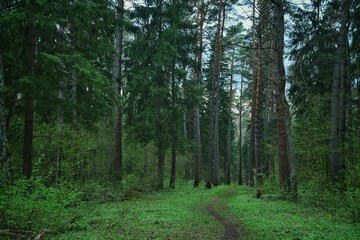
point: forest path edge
(222, 213)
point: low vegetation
(169, 214)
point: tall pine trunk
(4, 163)
(161, 138)
(287, 167)
(210, 150)
(216, 80)
(253, 99)
(272, 111)
(336, 95)
(174, 128)
(229, 136)
(117, 84)
(257, 120)
(161, 161)
(198, 75)
(74, 95)
(30, 51)
(59, 130)
(240, 133)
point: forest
(179, 119)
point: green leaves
(28, 205)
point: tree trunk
(258, 104)
(74, 95)
(187, 159)
(117, 82)
(216, 79)
(161, 139)
(272, 112)
(339, 65)
(59, 126)
(174, 134)
(145, 159)
(240, 133)
(173, 163)
(210, 151)
(228, 161)
(198, 71)
(4, 161)
(291, 155)
(229, 138)
(253, 99)
(287, 167)
(349, 111)
(161, 164)
(30, 51)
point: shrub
(30, 207)
(101, 192)
(129, 185)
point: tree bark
(174, 135)
(229, 137)
(145, 166)
(216, 79)
(198, 71)
(161, 139)
(287, 167)
(59, 126)
(272, 111)
(74, 95)
(340, 58)
(30, 51)
(173, 163)
(187, 159)
(253, 100)
(4, 161)
(210, 150)
(257, 117)
(240, 133)
(117, 84)
(161, 164)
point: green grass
(276, 219)
(181, 214)
(170, 214)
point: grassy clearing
(175, 214)
(275, 219)
(181, 214)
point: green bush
(101, 192)
(30, 207)
(129, 185)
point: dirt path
(221, 212)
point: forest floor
(221, 212)
(224, 212)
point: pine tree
(338, 94)
(287, 167)
(117, 85)
(3, 138)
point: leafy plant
(30, 206)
